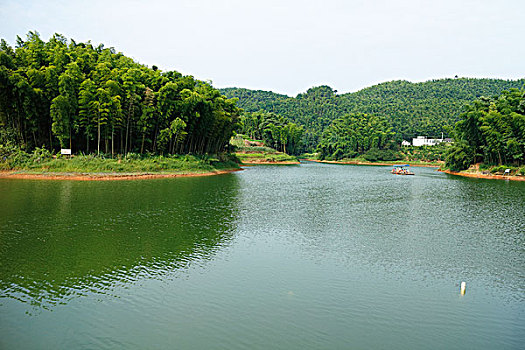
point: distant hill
(411, 108)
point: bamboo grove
(491, 131)
(64, 94)
(357, 134)
(274, 130)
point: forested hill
(67, 94)
(411, 108)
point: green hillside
(412, 109)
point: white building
(424, 141)
(405, 143)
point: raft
(401, 170)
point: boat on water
(401, 169)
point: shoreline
(270, 163)
(19, 174)
(484, 176)
(370, 163)
(73, 176)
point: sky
(290, 46)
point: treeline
(313, 114)
(64, 94)
(492, 131)
(429, 108)
(274, 130)
(358, 134)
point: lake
(315, 256)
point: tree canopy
(274, 130)
(61, 93)
(412, 109)
(492, 131)
(356, 134)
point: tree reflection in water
(63, 239)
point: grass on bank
(500, 169)
(258, 153)
(486, 169)
(239, 140)
(43, 161)
(265, 157)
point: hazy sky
(289, 46)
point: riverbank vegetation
(347, 149)
(492, 132)
(486, 169)
(358, 135)
(42, 161)
(272, 130)
(92, 99)
(250, 151)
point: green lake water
(314, 256)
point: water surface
(310, 256)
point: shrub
(12, 157)
(40, 155)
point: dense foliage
(75, 95)
(358, 134)
(274, 130)
(492, 131)
(412, 109)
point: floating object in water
(401, 170)
(463, 288)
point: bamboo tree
(75, 92)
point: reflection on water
(62, 239)
(301, 257)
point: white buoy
(463, 288)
